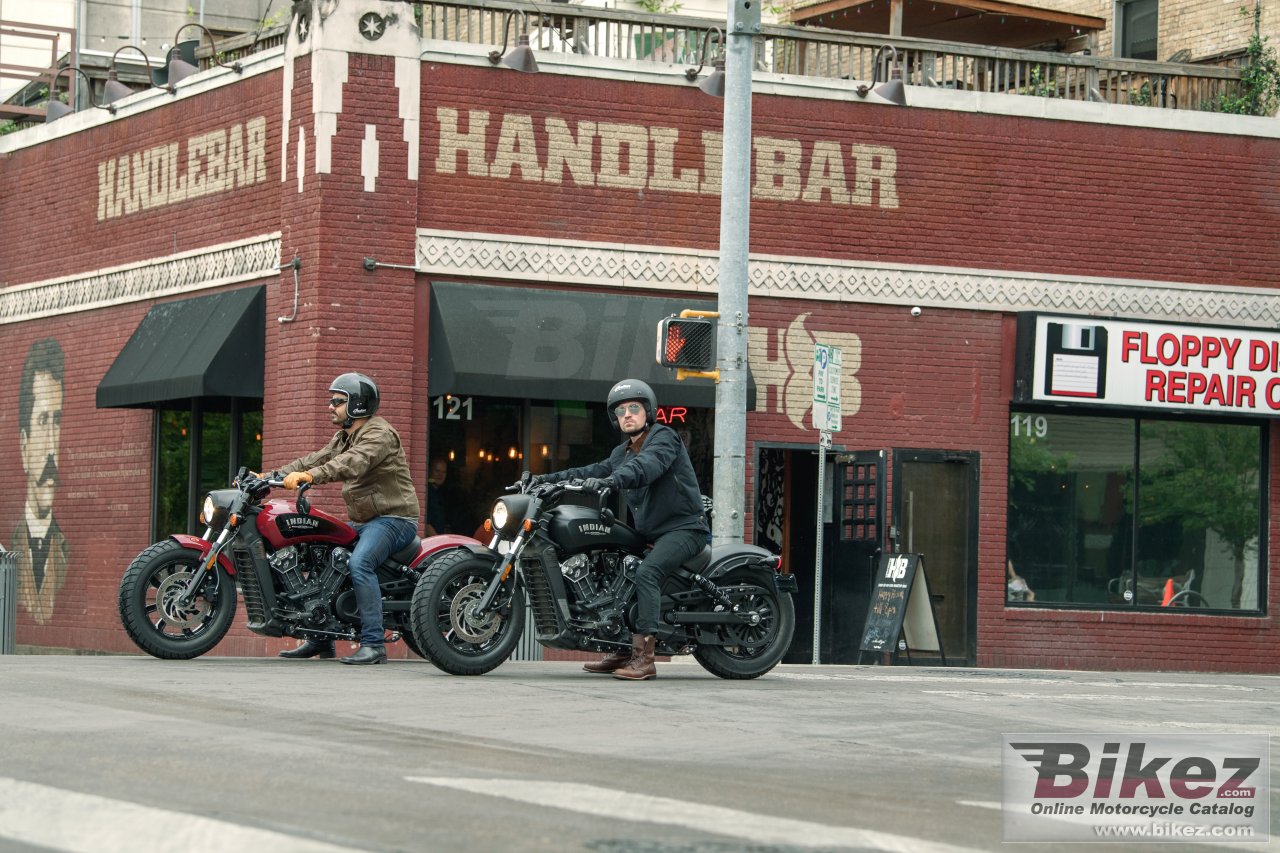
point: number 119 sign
(827, 361)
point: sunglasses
(335, 402)
(628, 409)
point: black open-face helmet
(632, 389)
(362, 396)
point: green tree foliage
(1207, 478)
(1259, 79)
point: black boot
(368, 655)
(310, 649)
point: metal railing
(815, 52)
(8, 602)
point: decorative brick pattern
(215, 266)
(460, 254)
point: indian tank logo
(297, 525)
(592, 528)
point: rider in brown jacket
(366, 456)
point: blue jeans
(378, 540)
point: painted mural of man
(43, 554)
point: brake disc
(168, 598)
(466, 623)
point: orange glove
(296, 479)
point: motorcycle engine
(310, 578)
(577, 570)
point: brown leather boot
(641, 667)
(611, 663)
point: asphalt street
(128, 753)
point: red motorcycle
(178, 597)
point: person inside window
(1017, 586)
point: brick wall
(972, 190)
(58, 207)
(968, 190)
(1204, 27)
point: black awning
(209, 346)
(553, 344)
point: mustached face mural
(43, 553)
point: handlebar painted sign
(1134, 364)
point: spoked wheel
(750, 650)
(446, 621)
(154, 614)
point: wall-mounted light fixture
(521, 56)
(181, 60)
(114, 90)
(55, 109)
(714, 83)
(891, 90)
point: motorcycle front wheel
(153, 614)
(449, 631)
(749, 651)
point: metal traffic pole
(735, 221)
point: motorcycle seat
(408, 552)
(699, 561)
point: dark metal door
(936, 510)
(855, 537)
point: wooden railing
(816, 52)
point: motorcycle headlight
(217, 508)
(500, 515)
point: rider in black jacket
(653, 471)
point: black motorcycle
(728, 607)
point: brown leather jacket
(372, 468)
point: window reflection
(1074, 537)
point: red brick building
(495, 248)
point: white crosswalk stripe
(756, 828)
(70, 821)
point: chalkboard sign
(901, 600)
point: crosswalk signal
(686, 342)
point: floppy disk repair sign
(1130, 363)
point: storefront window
(174, 510)
(486, 442)
(1125, 512)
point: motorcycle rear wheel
(154, 618)
(747, 660)
(448, 636)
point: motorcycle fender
(204, 547)
(723, 563)
(434, 546)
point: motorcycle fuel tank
(281, 524)
(575, 528)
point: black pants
(670, 552)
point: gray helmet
(632, 389)
(362, 395)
